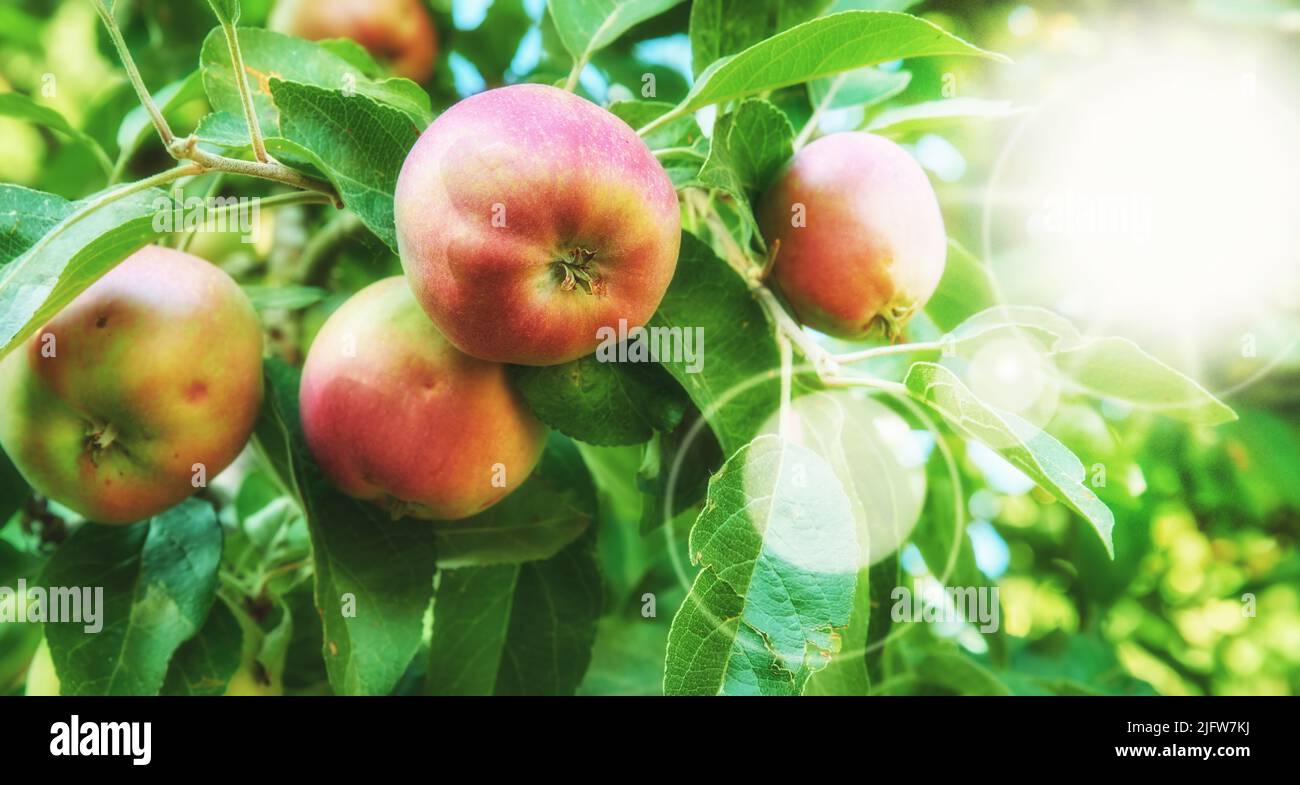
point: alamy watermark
(1084, 214)
(78, 737)
(53, 604)
(935, 603)
(684, 345)
(177, 213)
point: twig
(133, 73)
(766, 272)
(187, 149)
(751, 272)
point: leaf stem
(666, 151)
(810, 127)
(575, 73)
(787, 382)
(662, 120)
(245, 94)
(884, 351)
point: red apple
(528, 219)
(862, 243)
(397, 32)
(395, 414)
(142, 389)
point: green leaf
(846, 673)
(602, 402)
(1048, 326)
(25, 217)
(909, 121)
(628, 657)
(750, 145)
(957, 673)
(682, 132)
(669, 461)
(13, 492)
(723, 27)
(374, 575)
(1112, 368)
(269, 56)
(523, 629)
(358, 144)
(287, 297)
(861, 88)
(69, 258)
(586, 26)
(737, 388)
(159, 580)
(223, 129)
(24, 108)
(553, 507)
(821, 48)
(851, 671)
(1118, 369)
(1047, 462)
(227, 11)
(21, 28)
(354, 53)
(779, 554)
(205, 663)
(966, 288)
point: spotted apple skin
(861, 238)
(528, 219)
(143, 388)
(394, 414)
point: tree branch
(187, 149)
(133, 74)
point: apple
(528, 219)
(861, 239)
(397, 32)
(144, 387)
(394, 413)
